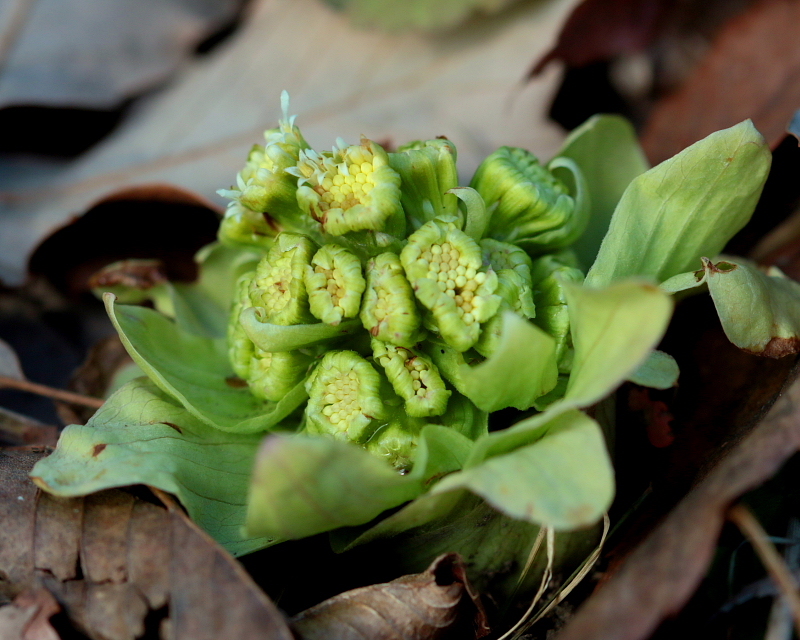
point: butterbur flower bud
(352, 188)
(396, 444)
(513, 268)
(278, 287)
(531, 206)
(273, 375)
(263, 185)
(240, 347)
(549, 275)
(334, 284)
(443, 265)
(344, 397)
(389, 311)
(244, 227)
(428, 170)
(414, 378)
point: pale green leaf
(564, 480)
(684, 208)
(609, 156)
(273, 337)
(304, 485)
(659, 371)
(522, 369)
(195, 371)
(142, 436)
(613, 331)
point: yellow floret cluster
(340, 402)
(414, 366)
(454, 276)
(345, 185)
(273, 287)
(336, 285)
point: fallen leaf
(750, 72)
(427, 605)
(113, 560)
(18, 430)
(27, 618)
(91, 53)
(343, 82)
(657, 579)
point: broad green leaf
(304, 485)
(142, 436)
(522, 369)
(659, 371)
(273, 337)
(564, 480)
(607, 151)
(613, 331)
(195, 371)
(686, 207)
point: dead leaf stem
(50, 392)
(743, 518)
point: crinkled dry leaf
(424, 606)
(112, 559)
(657, 579)
(27, 618)
(343, 81)
(93, 53)
(750, 72)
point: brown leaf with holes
(751, 71)
(660, 575)
(116, 562)
(436, 603)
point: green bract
(394, 310)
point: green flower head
(264, 185)
(344, 397)
(352, 188)
(240, 347)
(278, 286)
(244, 227)
(396, 444)
(414, 378)
(531, 206)
(445, 269)
(513, 268)
(428, 172)
(389, 311)
(271, 376)
(334, 284)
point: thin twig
(771, 559)
(50, 392)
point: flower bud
(244, 227)
(264, 185)
(278, 286)
(549, 274)
(352, 188)
(271, 376)
(240, 347)
(513, 268)
(389, 311)
(414, 378)
(443, 265)
(532, 207)
(334, 284)
(396, 443)
(427, 170)
(344, 397)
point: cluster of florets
(408, 264)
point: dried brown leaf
(112, 558)
(27, 618)
(17, 430)
(427, 605)
(750, 72)
(660, 575)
